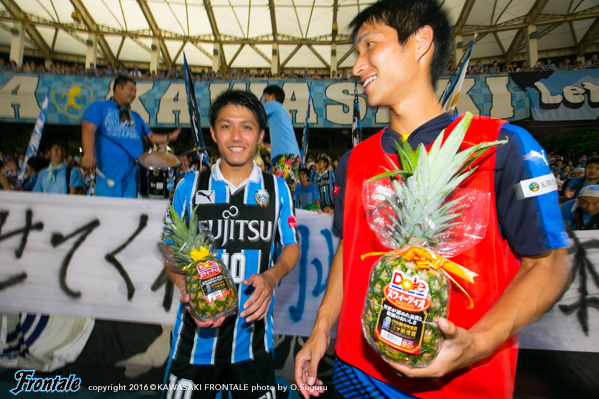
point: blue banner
(562, 95)
(162, 103)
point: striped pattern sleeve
(287, 228)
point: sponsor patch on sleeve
(536, 186)
(336, 190)
(292, 221)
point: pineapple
(405, 296)
(207, 279)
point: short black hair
(407, 17)
(37, 163)
(244, 99)
(277, 91)
(122, 81)
(325, 160)
(304, 170)
(590, 161)
(59, 143)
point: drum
(157, 174)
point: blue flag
(304, 151)
(36, 136)
(356, 131)
(194, 116)
(451, 95)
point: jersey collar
(253, 177)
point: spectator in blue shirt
(306, 194)
(591, 176)
(582, 213)
(59, 178)
(284, 151)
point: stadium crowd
(176, 72)
(320, 167)
(573, 171)
(542, 65)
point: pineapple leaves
(421, 213)
(182, 237)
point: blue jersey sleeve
(93, 114)
(76, 179)
(287, 221)
(38, 183)
(269, 107)
(526, 195)
(144, 130)
(182, 197)
(315, 191)
(340, 182)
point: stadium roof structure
(302, 33)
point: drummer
(111, 136)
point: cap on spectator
(578, 170)
(591, 190)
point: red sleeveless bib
(492, 259)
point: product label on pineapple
(212, 281)
(403, 313)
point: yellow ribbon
(198, 256)
(427, 260)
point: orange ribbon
(427, 260)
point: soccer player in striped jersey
(248, 211)
(325, 180)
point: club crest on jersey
(262, 197)
(336, 190)
(292, 221)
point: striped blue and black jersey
(326, 186)
(246, 222)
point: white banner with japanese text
(98, 257)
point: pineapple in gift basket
(420, 213)
(208, 282)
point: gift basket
(422, 215)
(187, 249)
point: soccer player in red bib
(402, 46)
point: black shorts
(252, 379)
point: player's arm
(256, 307)
(535, 288)
(307, 359)
(88, 142)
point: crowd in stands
(541, 66)
(319, 169)
(577, 176)
(176, 72)
(576, 173)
